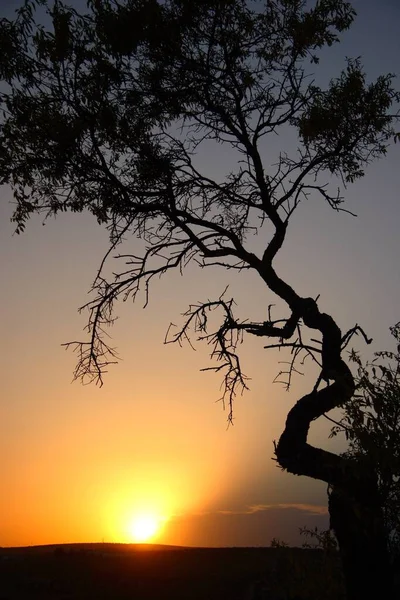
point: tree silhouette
(371, 424)
(105, 111)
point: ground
(119, 572)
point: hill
(154, 572)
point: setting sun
(144, 527)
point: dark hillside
(122, 572)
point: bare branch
(223, 341)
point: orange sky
(78, 463)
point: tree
(371, 424)
(104, 113)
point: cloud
(312, 509)
(254, 525)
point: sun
(144, 527)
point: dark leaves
(372, 426)
(349, 122)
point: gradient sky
(78, 463)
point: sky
(81, 463)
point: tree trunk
(359, 529)
(354, 504)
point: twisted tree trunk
(354, 503)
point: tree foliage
(371, 424)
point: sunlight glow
(144, 527)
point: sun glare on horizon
(143, 528)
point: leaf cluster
(371, 424)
